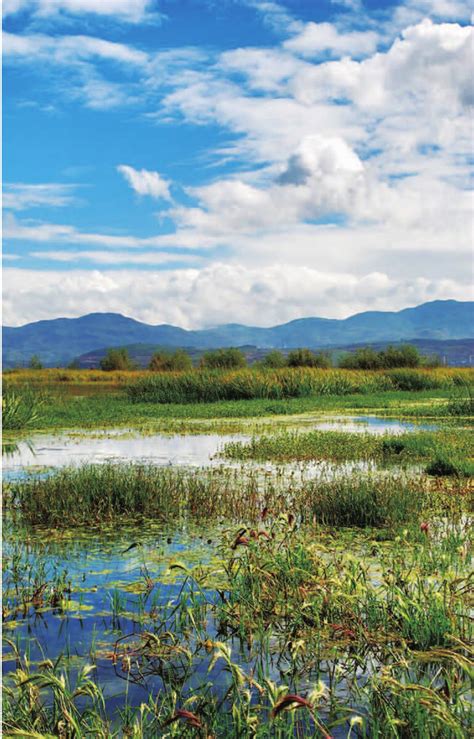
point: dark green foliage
(366, 358)
(413, 380)
(443, 466)
(35, 362)
(170, 361)
(306, 358)
(274, 360)
(223, 359)
(116, 359)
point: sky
(200, 162)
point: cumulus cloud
(214, 295)
(315, 38)
(144, 182)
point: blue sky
(199, 162)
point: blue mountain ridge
(59, 340)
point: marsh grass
(22, 407)
(341, 446)
(213, 386)
(368, 637)
(91, 495)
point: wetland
(287, 568)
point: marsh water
(191, 450)
(110, 569)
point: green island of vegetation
(313, 578)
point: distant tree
(306, 358)
(432, 361)
(74, 365)
(116, 359)
(35, 363)
(364, 358)
(163, 361)
(273, 360)
(223, 359)
(405, 355)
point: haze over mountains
(59, 341)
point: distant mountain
(59, 341)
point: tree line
(366, 358)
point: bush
(307, 358)
(405, 355)
(35, 363)
(168, 361)
(116, 359)
(441, 466)
(223, 359)
(274, 360)
(365, 359)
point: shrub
(35, 363)
(405, 355)
(274, 360)
(116, 359)
(230, 358)
(306, 358)
(366, 359)
(441, 466)
(163, 361)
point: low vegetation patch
(93, 494)
(275, 384)
(340, 446)
(21, 408)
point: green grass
(104, 409)
(22, 408)
(94, 494)
(340, 446)
(246, 384)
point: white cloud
(21, 196)
(315, 38)
(114, 258)
(69, 49)
(144, 182)
(215, 295)
(132, 11)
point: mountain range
(58, 341)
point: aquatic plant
(93, 494)
(21, 407)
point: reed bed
(455, 445)
(23, 408)
(93, 494)
(201, 386)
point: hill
(59, 341)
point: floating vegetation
(309, 633)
